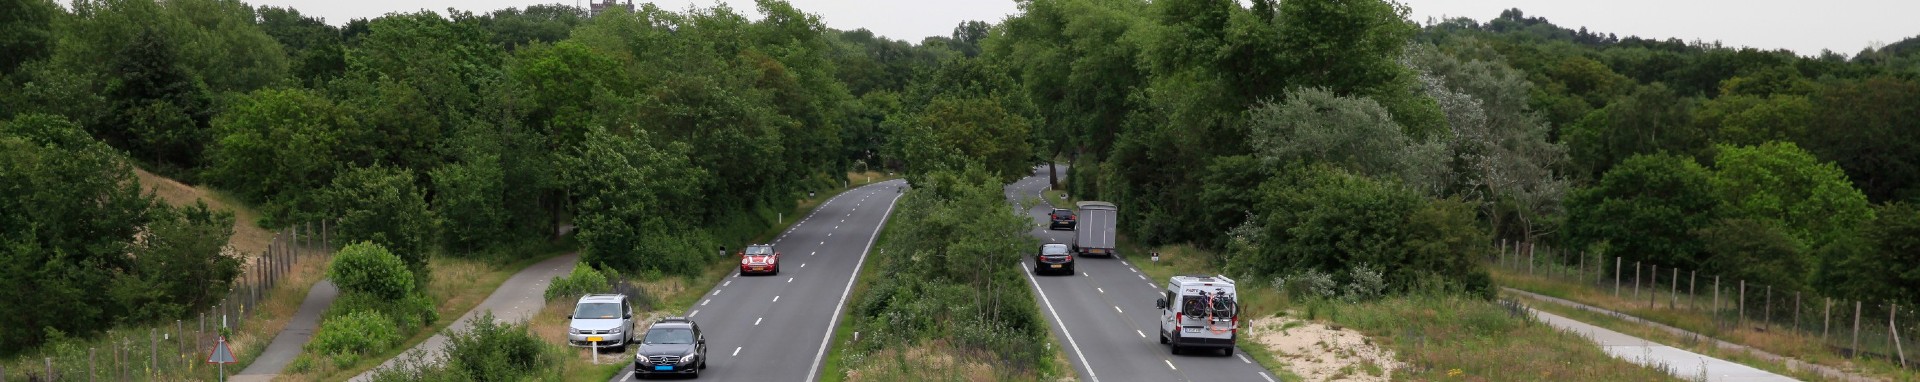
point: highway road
(1104, 315)
(776, 328)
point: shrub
(407, 314)
(583, 280)
(368, 268)
(360, 332)
(488, 351)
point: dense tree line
(424, 133)
(1331, 134)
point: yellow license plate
(1056, 265)
(594, 339)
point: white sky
(1804, 26)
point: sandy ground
(1317, 352)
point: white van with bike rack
(1199, 312)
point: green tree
(1653, 119)
(181, 265)
(381, 204)
(26, 32)
(635, 202)
(1882, 262)
(1759, 251)
(1321, 217)
(1354, 134)
(159, 110)
(1779, 181)
(278, 147)
(69, 210)
(470, 194)
(966, 131)
(1646, 209)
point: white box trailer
(1093, 235)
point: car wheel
(776, 270)
(703, 363)
(1176, 349)
(1163, 338)
(1228, 351)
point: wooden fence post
(1653, 287)
(1855, 351)
(1767, 311)
(1636, 280)
(1673, 290)
(1616, 277)
(1693, 279)
(1743, 306)
(1892, 311)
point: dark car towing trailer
(1093, 235)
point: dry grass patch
(926, 362)
(248, 238)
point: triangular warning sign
(221, 354)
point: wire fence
(180, 350)
(1852, 329)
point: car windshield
(670, 336)
(597, 310)
(759, 250)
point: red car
(760, 258)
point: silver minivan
(602, 321)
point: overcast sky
(1804, 26)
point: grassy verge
(1433, 337)
(939, 358)
(1694, 344)
(458, 285)
(1786, 343)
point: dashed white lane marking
(1243, 358)
(716, 292)
(776, 298)
(811, 253)
(1264, 375)
(1130, 269)
(789, 279)
(1170, 364)
(1142, 334)
(823, 243)
(803, 265)
(736, 352)
(756, 321)
(729, 282)
(829, 234)
(1102, 291)
(1150, 285)
(696, 312)
(836, 227)
(1116, 308)
(704, 303)
(1142, 277)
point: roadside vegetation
(1433, 334)
(942, 296)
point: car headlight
(616, 330)
(687, 358)
(573, 330)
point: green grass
(1434, 336)
(458, 286)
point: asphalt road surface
(1104, 315)
(776, 328)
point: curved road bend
(771, 328)
(1104, 314)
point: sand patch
(248, 239)
(1317, 352)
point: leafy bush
(408, 314)
(1328, 220)
(360, 332)
(382, 205)
(368, 268)
(583, 280)
(488, 351)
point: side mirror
(1160, 303)
(569, 316)
(703, 341)
(628, 316)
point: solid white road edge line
(1264, 375)
(813, 372)
(1063, 324)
